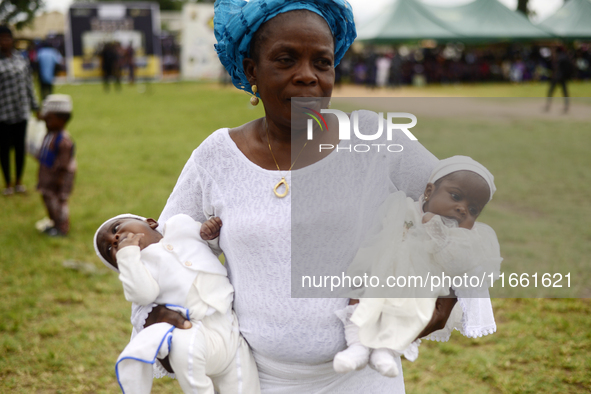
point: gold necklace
(282, 181)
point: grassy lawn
(62, 329)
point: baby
(436, 235)
(178, 269)
(57, 164)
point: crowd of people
(455, 63)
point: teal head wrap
(236, 21)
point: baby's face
(114, 232)
(53, 122)
(460, 195)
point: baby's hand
(428, 216)
(210, 229)
(131, 240)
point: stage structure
(92, 26)
(199, 59)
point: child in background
(57, 165)
(178, 269)
(436, 235)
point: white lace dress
(293, 339)
(404, 247)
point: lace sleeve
(139, 314)
(476, 252)
(187, 195)
(472, 317)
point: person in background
(129, 62)
(48, 58)
(57, 166)
(395, 79)
(110, 65)
(383, 70)
(17, 97)
(32, 56)
(561, 72)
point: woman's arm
(410, 172)
(190, 196)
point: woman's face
(295, 59)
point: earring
(254, 100)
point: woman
(17, 96)
(243, 175)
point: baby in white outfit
(438, 236)
(178, 269)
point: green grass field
(61, 329)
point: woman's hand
(161, 314)
(443, 307)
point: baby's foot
(353, 358)
(383, 361)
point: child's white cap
(463, 163)
(96, 249)
(61, 103)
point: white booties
(356, 355)
(383, 360)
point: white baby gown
(403, 247)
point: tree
(18, 12)
(522, 7)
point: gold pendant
(284, 182)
